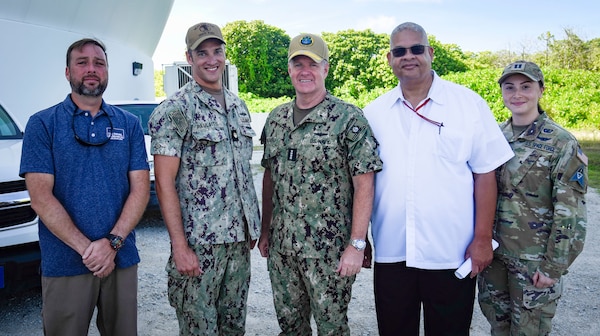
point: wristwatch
(359, 244)
(116, 242)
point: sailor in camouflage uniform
(320, 159)
(202, 146)
(541, 213)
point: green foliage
(486, 60)
(259, 51)
(484, 82)
(158, 83)
(591, 148)
(257, 104)
(595, 54)
(571, 53)
(359, 71)
(356, 60)
(571, 97)
(364, 98)
(448, 58)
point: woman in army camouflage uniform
(541, 214)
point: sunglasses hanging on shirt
(91, 143)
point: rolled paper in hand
(465, 268)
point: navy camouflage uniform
(312, 165)
(218, 202)
(540, 225)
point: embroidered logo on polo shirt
(117, 133)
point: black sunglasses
(87, 143)
(417, 49)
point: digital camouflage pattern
(218, 203)
(540, 225)
(531, 309)
(312, 165)
(541, 213)
(311, 279)
(226, 277)
(215, 185)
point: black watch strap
(116, 242)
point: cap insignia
(306, 40)
(518, 66)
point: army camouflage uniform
(540, 225)
(312, 165)
(218, 203)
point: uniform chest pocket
(452, 145)
(247, 131)
(519, 168)
(245, 141)
(209, 147)
(323, 157)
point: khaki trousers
(68, 303)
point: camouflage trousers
(510, 302)
(215, 302)
(305, 286)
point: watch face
(116, 242)
(359, 244)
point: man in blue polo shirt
(85, 166)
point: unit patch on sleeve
(579, 176)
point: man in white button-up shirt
(436, 195)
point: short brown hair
(82, 43)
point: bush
(257, 104)
(571, 97)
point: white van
(143, 109)
(19, 242)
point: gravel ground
(578, 310)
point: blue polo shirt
(91, 182)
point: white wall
(35, 35)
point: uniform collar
(209, 100)
(531, 133)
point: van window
(142, 111)
(8, 128)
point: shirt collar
(435, 92)
(74, 109)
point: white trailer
(36, 34)
(178, 74)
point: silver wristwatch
(359, 244)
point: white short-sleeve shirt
(424, 211)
